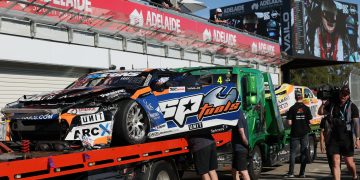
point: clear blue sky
(220, 3)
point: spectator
(343, 120)
(240, 144)
(204, 153)
(217, 17)
(299, 116)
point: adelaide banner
(140, 21)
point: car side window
(298, 90)
(307, 93)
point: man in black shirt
(299, 116)
(240, 144)
(343, 122)
(203, 148)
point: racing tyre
(255, 163)
(130, 124)
(312, 149)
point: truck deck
(54, 164)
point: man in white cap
(217, 17)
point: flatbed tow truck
(151, 160)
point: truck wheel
(255, 164)
(130, 124)
(312, 148)
(160, 170)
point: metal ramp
(136, 21)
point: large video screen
(326, 29)
(266, 18)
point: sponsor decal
(92, 131)
(148, 105)
(81, 111)
(159, 133)
(113, 93)
(154, 116)
(92, 118)
(193, 88)
(209, 109)
(222, 129)
(181, 89)
(160, 126)
(214, 103)
(219, 36)
(37, 117)
(194, 126)
(156, 20)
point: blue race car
(127, 107)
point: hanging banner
(139, 21)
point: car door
(195, 100)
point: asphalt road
(317, 170)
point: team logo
(207, 35)
(255, 6)
(92, 131)
(137, 18)
(217, 101)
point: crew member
(344, 119)
(240, 144)
(203, 149)
(299, 116)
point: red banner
(135, 20)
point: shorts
(240, 160)
(344, 148)
(205, 159)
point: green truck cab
(268, 132)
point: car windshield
(130, 78)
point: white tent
(190, 6)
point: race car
(285, 95)
(125, 107)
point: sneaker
(302, 176)
(289, 175)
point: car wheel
(130, 124)
(312, 149)
(255, 164)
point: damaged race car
(125, 107)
